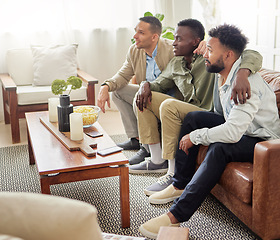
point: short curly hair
(230, 36)
(155, 24)
(195, 25)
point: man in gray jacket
(145, 60)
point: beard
(215, 67)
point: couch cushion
(41, 94)
(236, 179)
(54, 62)
(20, 66)
(39, 216)
(273, 80)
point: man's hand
(201, 49)
(103, 97)
(185, 144)
(241, 89)
(144, 96)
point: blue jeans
(198, 184)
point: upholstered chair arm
(87, 77)
(39, 216)
(7, 82)
(266, 189)
(90, 81)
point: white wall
(258, 19)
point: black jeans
(198, 184)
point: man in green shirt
(186, 72)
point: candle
(52, 106)
(76, 126)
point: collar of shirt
(184, 62)
(152, 70)
(231, 74)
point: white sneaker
(165, 196)
(151, 228)
(162, 183)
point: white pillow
(53, 62)
(20, 66)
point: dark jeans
(198, 184)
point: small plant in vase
(59, 86)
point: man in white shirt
(231, 132)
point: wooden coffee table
(56, 164)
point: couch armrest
(266, 189)
(7, 82)
(90, 81)
(87, 77)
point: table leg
(124, 196)
(45, 185)
(30, 150)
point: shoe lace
(164, 179)
(147, 161)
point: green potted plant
(65, 108)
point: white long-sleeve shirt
(258, 117)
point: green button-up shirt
(195, 85)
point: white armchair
(23, 93)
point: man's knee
(193, 118)
(167, 106)
(219, 153)
(196, 115)
(114, 96)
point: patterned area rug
(211, 221)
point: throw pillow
(53, 62)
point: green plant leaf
(171, 29)
(132, 40)
(75, 82)
(168, 35)
(58, 86)
(148, 14)
(159, 16)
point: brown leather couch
(251, 191)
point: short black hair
(195, 25)
(155, 24)
(230, 36)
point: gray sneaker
(149, 167)
(162, 183)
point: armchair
(20, 95)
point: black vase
(63, 111)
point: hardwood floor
(108, 121)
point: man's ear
(229, 54)
(196, 42)
(155, 37)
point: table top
(51, 156)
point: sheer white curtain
(102, 28)
(66, 21)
